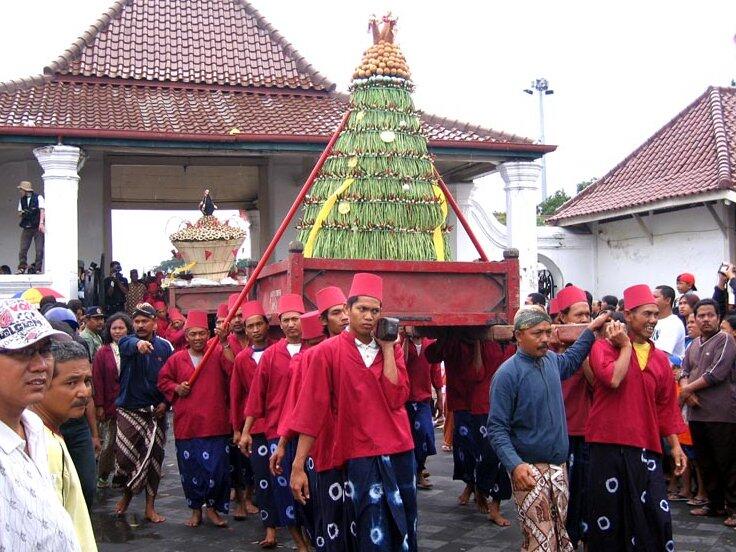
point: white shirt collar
(372, 345)
(33, 427)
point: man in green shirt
(93, 328)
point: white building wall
(683, 241)
(91, 210)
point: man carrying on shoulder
(635, 387)
(528, 430)
(363, 381)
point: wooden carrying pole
(274, 241)
(460, 216)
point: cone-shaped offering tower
(376, 196)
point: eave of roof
(717, 176)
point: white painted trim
(694, 200)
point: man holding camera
(116, 289)
(32, 213)
(360, 376)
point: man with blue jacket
(527, 426)
(141, 413)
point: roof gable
(690, 155)
(190, 41)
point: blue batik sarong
(464, 447)
(264, 481)
(491, 478)
(333, 512)
(281, 490)
(383, 493)
(422, 431)
(204, 466)
(577, 476)
(241, 470)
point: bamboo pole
(274, 241)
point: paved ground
(444, 526)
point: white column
(61, 184)
(464, 248)
(522, 195)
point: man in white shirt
(32, 516)
(669, 333)
(32, 213)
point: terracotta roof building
(159, 99)
(689, 160)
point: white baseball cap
(22, 325)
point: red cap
(638, 295)
(688, 279)
(568, 296)
(175, 314)
(554, 306)
(291, 302)
(368, 285)
(222, 310)
(329, 297)
(197, 319)
(159, 305)
(252, 308)
(312, 327)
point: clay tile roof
(690, 155)
(194, 41)
(44, 106)
(197, 70)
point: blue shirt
(139, 373)
(527, 419)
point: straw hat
(25, 186)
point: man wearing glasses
(33, 517)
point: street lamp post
(541, 86)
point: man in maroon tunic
(363, 381)
(577, 391)
(201, 422)
(244, 368)
(266, 398)
(634, 406)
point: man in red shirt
(577, 392)
(162, 318)
(201, 422)
(634, 406)
(266, 399)
(244, 368)
(470, 364)
(237, 340)
(329, 519)
(175, 331)
(363, 381)
(423, 376)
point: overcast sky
(620, 70)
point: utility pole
(542, 87)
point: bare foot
(122, 505)
(250, 507)
(195, 519)
(215, 518)
(154, 517)
(464, 498)
(270, 540)
(239, 513)
(481, 502)
(494, 514)
(423, 482)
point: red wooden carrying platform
(419, 293)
